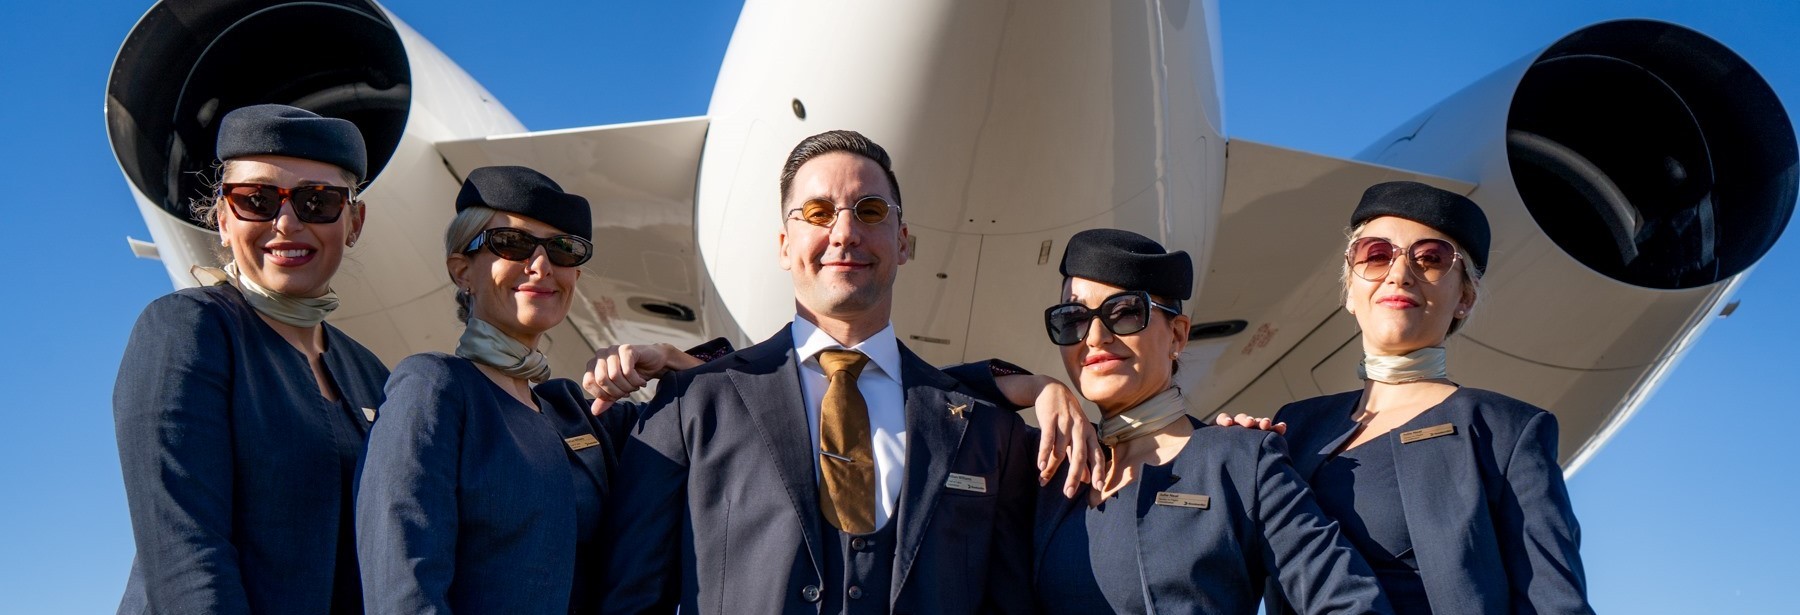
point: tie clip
(837, 457)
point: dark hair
(836, 141)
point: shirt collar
(883, 349)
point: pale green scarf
(1423, 364)
(303, 312)
(485, 344)
(1145, 418)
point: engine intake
(187, 63)
(1652, 154)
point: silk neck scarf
(488, 345)
(1422, 364)
(303, 312)
(1145, 418)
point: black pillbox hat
(280, 130)
(1130, 261)
(1450, 213)
(528, 193)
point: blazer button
(854, 592)
(810, 593)
(859, 543)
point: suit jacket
(466, 500)
(1260, 523)
(716, 508)
(1491, 525)
(231, 457)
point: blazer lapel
(1441, 490)
(578, 431)
(769, 389)
(1052, 507)
(1335, 426)
(933, 436)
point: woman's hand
(1245, 420)
(1066, 433)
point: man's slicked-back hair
(836, 141)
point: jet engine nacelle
(1636, 165)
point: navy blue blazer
(1491, 525)
(466, 502)
(231, 457)
(716, 508)
(1260, 522)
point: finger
(1281, 428)
(599, 407)
(1245, 420)
(587, 383)
(1045, 439)
(1222, 420)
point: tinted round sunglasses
(820, 212)
(1124, 313)
(517, 245)
(262, 202)
(1370, 258)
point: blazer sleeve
(981, 378)
(1009, 574)
(1317, 569)
(406, 508)
(1535, 523)
(171, 411)
(645, 511)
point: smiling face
(521, 298)
(1117, 372)
(1402, 312)
(286, 255)
(845, 271)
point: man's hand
(616, 372)
(1245, 420)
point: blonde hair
(467, 224)
(1471, 274)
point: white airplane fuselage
(1011, 129)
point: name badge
(1427, 433)
(964, 482)
(582, 441)
(1183, 500)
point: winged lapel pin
(958, 410)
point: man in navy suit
(827, 469)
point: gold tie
(846, 451)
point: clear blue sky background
(1690, 509)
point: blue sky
(1685, 511)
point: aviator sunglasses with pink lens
(1370, 258)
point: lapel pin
(369, 413)
(958, 410)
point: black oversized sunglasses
(262, 202)
(517, 245)
(1124, 313)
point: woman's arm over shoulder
(406, 509)
(171, 412)
(1316, 569)
(1535, 522)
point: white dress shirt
(880, 386)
